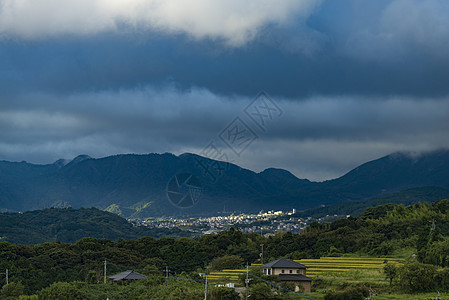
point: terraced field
(226, 275)
(324, 265)
(344, 264)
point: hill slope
(136, 185)
(405, 197)
(70, 225)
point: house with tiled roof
(127, 275)
(289, 270)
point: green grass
(421, 296)
(389, 296)
(404, 252)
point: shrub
(226, 262)
(224, 293)
(417, 277)
(442, 279)
(350, 293)
(390, 271)
(11, 291)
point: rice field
(321, 266)
(345, 264)
(226, 275)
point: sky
(312, 86)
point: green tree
(438, 253)
(91, 277)
(61, 290)
(11, 291)
(224, 293)
(226, 262)
(290, 286)
(442, 279)
(390, 271)
(350, 293)
(417, 277)
(260, 291)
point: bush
(11, 291)
(224, 293)
(417, 277)
(350, 293)
(390, 271)
(61, 290)
(442, 279)
(260, 291)
(290, 286)
(226, 262)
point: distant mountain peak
(61, 162)
(418, 154)
(79, 158)
(275, 170)
(137, 184)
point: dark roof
(284, 263)
(127, 275)
(294, 277)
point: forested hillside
(427, 194)
(69, 225)
(137, 185)
(386, 230)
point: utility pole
(7, 279)
(246, 280)
(205, 289)
(166, 275)
(261, 254)
(105, 271)
(433, 224)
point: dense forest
(69, 225)
(135, 186)
(411, 196)
(386, 230)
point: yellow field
(344, 264)
(226, 275)
(318, 266)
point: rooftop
(294, 277)
(284, 263)
(127, 275)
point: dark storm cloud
(356, 80)
(344, 48)
(316, 138)
(112, 63)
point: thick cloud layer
(316, 138)
(234, 21)
(356, 80)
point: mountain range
(155, 185)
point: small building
(290, 271)
(127, 275)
